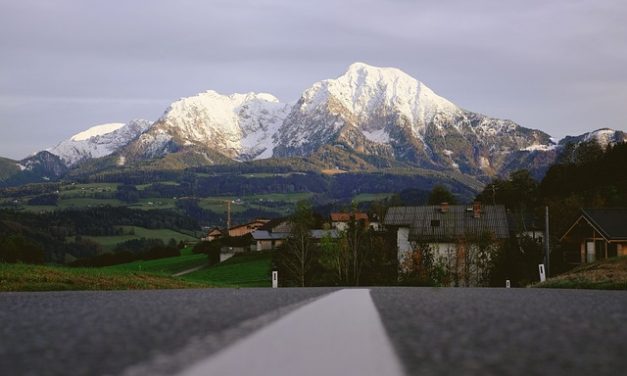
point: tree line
(61, 232)
(585, 175)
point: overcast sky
(66, 65)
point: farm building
(339, 221)
(247, 228)
(213, 234)
(455, 234)
(272, 234)
(596, 234)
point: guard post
(542, 272)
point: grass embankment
(244, 270)
(168, 266)
(22, 277)
(602, 275)
(136, 232)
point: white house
(449, 231)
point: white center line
(339, 334)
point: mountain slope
(238, 126)
(603, 136)
(386, 113)
(8, 168)
(98, 141)
(367, 119)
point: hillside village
(445, 245)
(415, 237)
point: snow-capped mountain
(387, 113)
(238, 126)
(368, 116)
(99, 141)
(603, 136)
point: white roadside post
(508, 284)
(542, 272)
(275, 279)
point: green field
(92, 195)
(22, 277)
(76, 202)
(218, 204)
(109, 242)
(284, 197)
(87, 190)
(281, 204)
(170, 265)
(142, 187)
(245, 270)
(365, 197)
(153, 203)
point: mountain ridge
(364, 119)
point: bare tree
(300, 249)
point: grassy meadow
(601, 275)
(23, 277)
(168, 266)
(108, 243)
(245, 270)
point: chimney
(476, 209)
(444, 207)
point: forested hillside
(585, 176)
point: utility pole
(547, 252)
(228, 215)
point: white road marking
(339, 334)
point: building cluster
(452, 232)
(269, 234)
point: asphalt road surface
(377, 331)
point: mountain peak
(359, 69)
(236, 97)
(98, 141)
(603, 136)
(367, 94)
(97, 130)
(239, 125)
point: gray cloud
(70, 64)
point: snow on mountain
(540, 147)
(366, 90)
(603, 136)
(386, 112)
(239, 126)
(606, 136)
(366, 115)
(95, 131)
(367, 98)
(98, 141)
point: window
(612, 250)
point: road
(377, 331)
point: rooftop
(345, 217)
(454, 222)
(610, 222)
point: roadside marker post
(275, 279)
(542, 272)
(508, 284)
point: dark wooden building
(596, 234)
